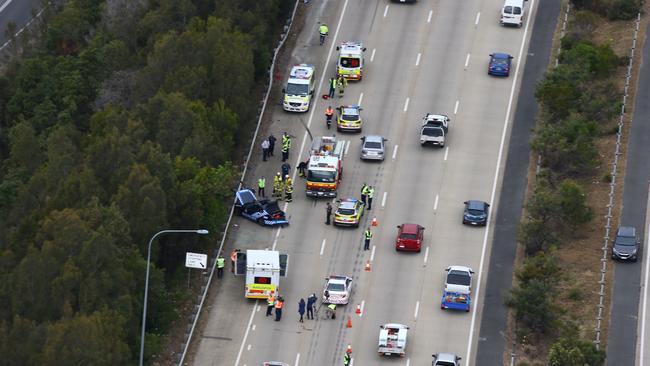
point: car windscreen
(475, 212)
(372, 145)
(458, 278)
(434, 132)
(337, 287)
(297, 89)
(626, 240)
(499, 62)
(408, 236)
(346, 211)
(321, 176)
(350, 62)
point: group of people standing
(277, 303)
(337, 82)
(282, 182)
(268, 146)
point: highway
(427, 57)
(17, 11)
(622, 338)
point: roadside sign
(196, 260)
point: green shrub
(532, 305)
(573, 351)
(623, 9)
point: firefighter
(288, 188)
(342, 83)
(277, 186)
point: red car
(409, 237)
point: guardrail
(206, 287)
(612, 186)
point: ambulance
(263, 269)
(350, 62)
(299, 89)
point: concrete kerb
(612, 185)
(186, 344)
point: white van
(512, 13)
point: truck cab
(299, 89)
(434, 130)
(350, 62)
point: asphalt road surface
(427, 57)
(17, 11)
(492, 342)
(622, 337)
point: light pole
(146, 281)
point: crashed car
(349, 212)
(264, 212)
(337, 290)
(349, 118)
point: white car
(337, 290)
(458, 279)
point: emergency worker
(342, 83)
(286, 145)
(323, 31)
(329, 113)
(261, 184)
(279, 304)
(331, 308)
(270, 303)
(370, 192)
(367, 235)
(221, 263)
(288, 188)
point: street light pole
(146, 282)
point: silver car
(373, 147)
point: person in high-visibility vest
(270, 303)
(279, 303)
(364, 193)
(221, 263)
(322, 32)
(286, 145)
(371, 192)
(277, 186)
(288, 188)
(346, 359)
(261, 184)
(332, 310)
(342, 83)
(367, 235)
(329, 113)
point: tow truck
(299, 89)
(392, 339)
(325, 167)
(263, 269)
(434, 130)
(350, 63)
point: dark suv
(626, 244)
(476, 212)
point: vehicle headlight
(614, 250)
(364, 151)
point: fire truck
(325, 167)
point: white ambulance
(299, 89)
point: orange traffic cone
(349, 322)
(358, 311)
(367, 266)
(374, 221)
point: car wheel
(442, 145)
(420, 250)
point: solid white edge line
(478, 16)
(277, 233)
(429, 17)
(372, 57)
(297, 360)
(322, 247)
(426, 255)
(645, 285)
(456, 107)
(470, 339)
(395, 151)
(386, 11)
(417, 60)
(347, 147)
(363, 305)
(417, 308)
(467, 60)
(372, 253)
(446, 153)
(406, 104)
(435, 204)
(5, 5)
(383, 200)
(248, 328)
(302, 146)
(360, 99)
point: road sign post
(195, 260)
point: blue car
(500, 64)
(455, 301)
(264, 212)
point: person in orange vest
(278, 308)
(270, 302)
(329, 113)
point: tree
(25, 148)
(573, 203)
(532, 304)
(574, 351)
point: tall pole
(146, 283)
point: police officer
(311, 303)
(261, 184)
(328, 213)
(370, 192)
(286, 145)
(285, 169)
(332, 84)
(221, 263)
(367, 235)
(364, 193)
(323, 31)
(346, 359)
(288, 188)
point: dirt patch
(581, 256)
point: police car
(337, 290)
(349, 118)
(349, 212)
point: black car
(626, 244)
(476, 212)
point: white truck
(300, 88)
(263, 269)
(434, 130)
(392, 339)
